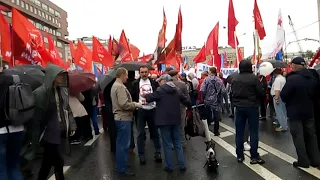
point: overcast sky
(142, 20)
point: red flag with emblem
(26, 40)
(5, 39)
(258, 23)
(125, 53)
(83, 57)
(100, 54)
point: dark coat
(5, 82)
(168, 98)
(299, 93)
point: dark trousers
(112, 129)
(132, 144)
(147, 116)
(10, 146)
(250, 114)
(83, 128)
(263, 108)
(212, 115)
(79, 130)
(231, 105)
(52, 157)
(104, 118)
(305, 140)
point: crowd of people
(128, 105)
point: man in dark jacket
(299, 94)
(246, 95)
(168, 98)
(55, 119)
(146, 114)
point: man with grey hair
(299, 94)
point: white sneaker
(246, 146)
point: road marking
(65, 169)
(313, 171)
(260, 170)
(225, 134)
(91, 141)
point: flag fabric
(225, 59)
(5, 39)
(258, 23)
(280, 36)
(54, 53)
(100, 54)
(26, 40)
(279, 55)
(315, 57)
(124, 48)
(162, 33)
(83, 57)
(232, 23)
(178, 35)
(240, 55)
(145, 58)
(212, 46)
(73, 49)
(201, 56)
(97, 71)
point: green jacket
(43, 94)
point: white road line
(260, 170)
(65, 169)
(225, 134)
(91, 141)
(313, 171)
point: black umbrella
(29, 74)
(132, 66)
(278, 64)
(106, 79)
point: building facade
(46, 16)
(190, 52)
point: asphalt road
(93, 160)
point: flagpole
(236, 44)
(256, 46)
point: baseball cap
(183, 74)
(298, 61)
(165, 77)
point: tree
(309, 54)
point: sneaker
(169, 170)
(75, 142)
(257, 161)
(296, 164)
(240, 160)
(246, 146)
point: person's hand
(72, 133)
(138, 104)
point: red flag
(178, 36)
(210, 61)
(110, 44)
(73, 49)
(225, 60)
(5, 39)
(124, 48)
(201, 56)
(162, 33)
(240, 55)
(83, 57)
(212, 46)
(26, 40)
(134, 51)
(145, 58)
(232, 23)
(53, 52)
(100, 54)
(315, 57)
(258, 23)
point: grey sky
(142, 20)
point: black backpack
(21, 103)
(194, 126)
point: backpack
(21, 103)
(194, 126)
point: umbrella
(29, 74)
(317, 67)
(106, 79)
(133, 66)
(80, 81)
(278, 64)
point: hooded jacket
(5, 82)
(299, 94)
(246, 88)
(46, 123)
(168, 98)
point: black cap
(298, 61)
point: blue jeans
(147, 116)
(94, 119)
(122, 145)
(171, 135)
(252, 115)
(281, 113)
(10, 145)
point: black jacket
(299, 94)
(5, 82)
(246, 90)
(168, 98)
(134, 91)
